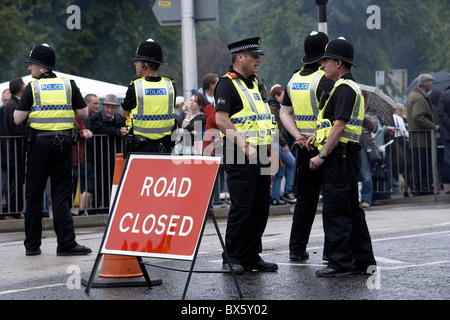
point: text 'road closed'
(161, 187)
(160, 207)
(173, 225)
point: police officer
(339, 127)
(50, 103)
(244, 118)
(299, 113)
(150, 102)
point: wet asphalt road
(411, 245)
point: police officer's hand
(306, 140)
(315, 163)
(309, 144)
(123, 131)
(301, 139)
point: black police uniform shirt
(342, 101)
(26, 101)
(226, 96)
(129, 103)
(325, 84)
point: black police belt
(46, 133)
(347, 148)
(141, 139)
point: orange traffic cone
(115, 266)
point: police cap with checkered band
(251, 45)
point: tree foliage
(413, 35)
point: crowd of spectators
(402, 143)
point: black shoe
(276, 202)
(289, 197)
(237, 268)
(82, 213)
(330, 272)
(33, 252)
(76, 251)
(261, 266)
(300, 256)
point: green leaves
(413, 36)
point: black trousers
(308, 183)
(250, 203)
(348, 238)
(46, 159)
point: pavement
(409, 236)
(101, 220)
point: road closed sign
(161, 206)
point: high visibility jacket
(254, 122)
(52, 105)
(154, 114)
(353, 129)
(302, 92)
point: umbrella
(379, 101)
(441, 82)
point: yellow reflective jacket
(353, 129)
(254, 122)
(52, 108)
(154, 114)
(302, 92)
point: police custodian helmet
(150, 50)
(42, 55)
(314, 46)
(339, 49)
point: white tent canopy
(86, 86)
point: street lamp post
(189, 51)
(322, 7)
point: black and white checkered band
(244, 48)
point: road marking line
(301, 264)
(411, 236)
(386, 260)
(415, 265)
(33, 288)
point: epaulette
(168, 78)
(233, 75)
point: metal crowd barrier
(95, 169)
(416, 173)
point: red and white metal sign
(161, 206)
